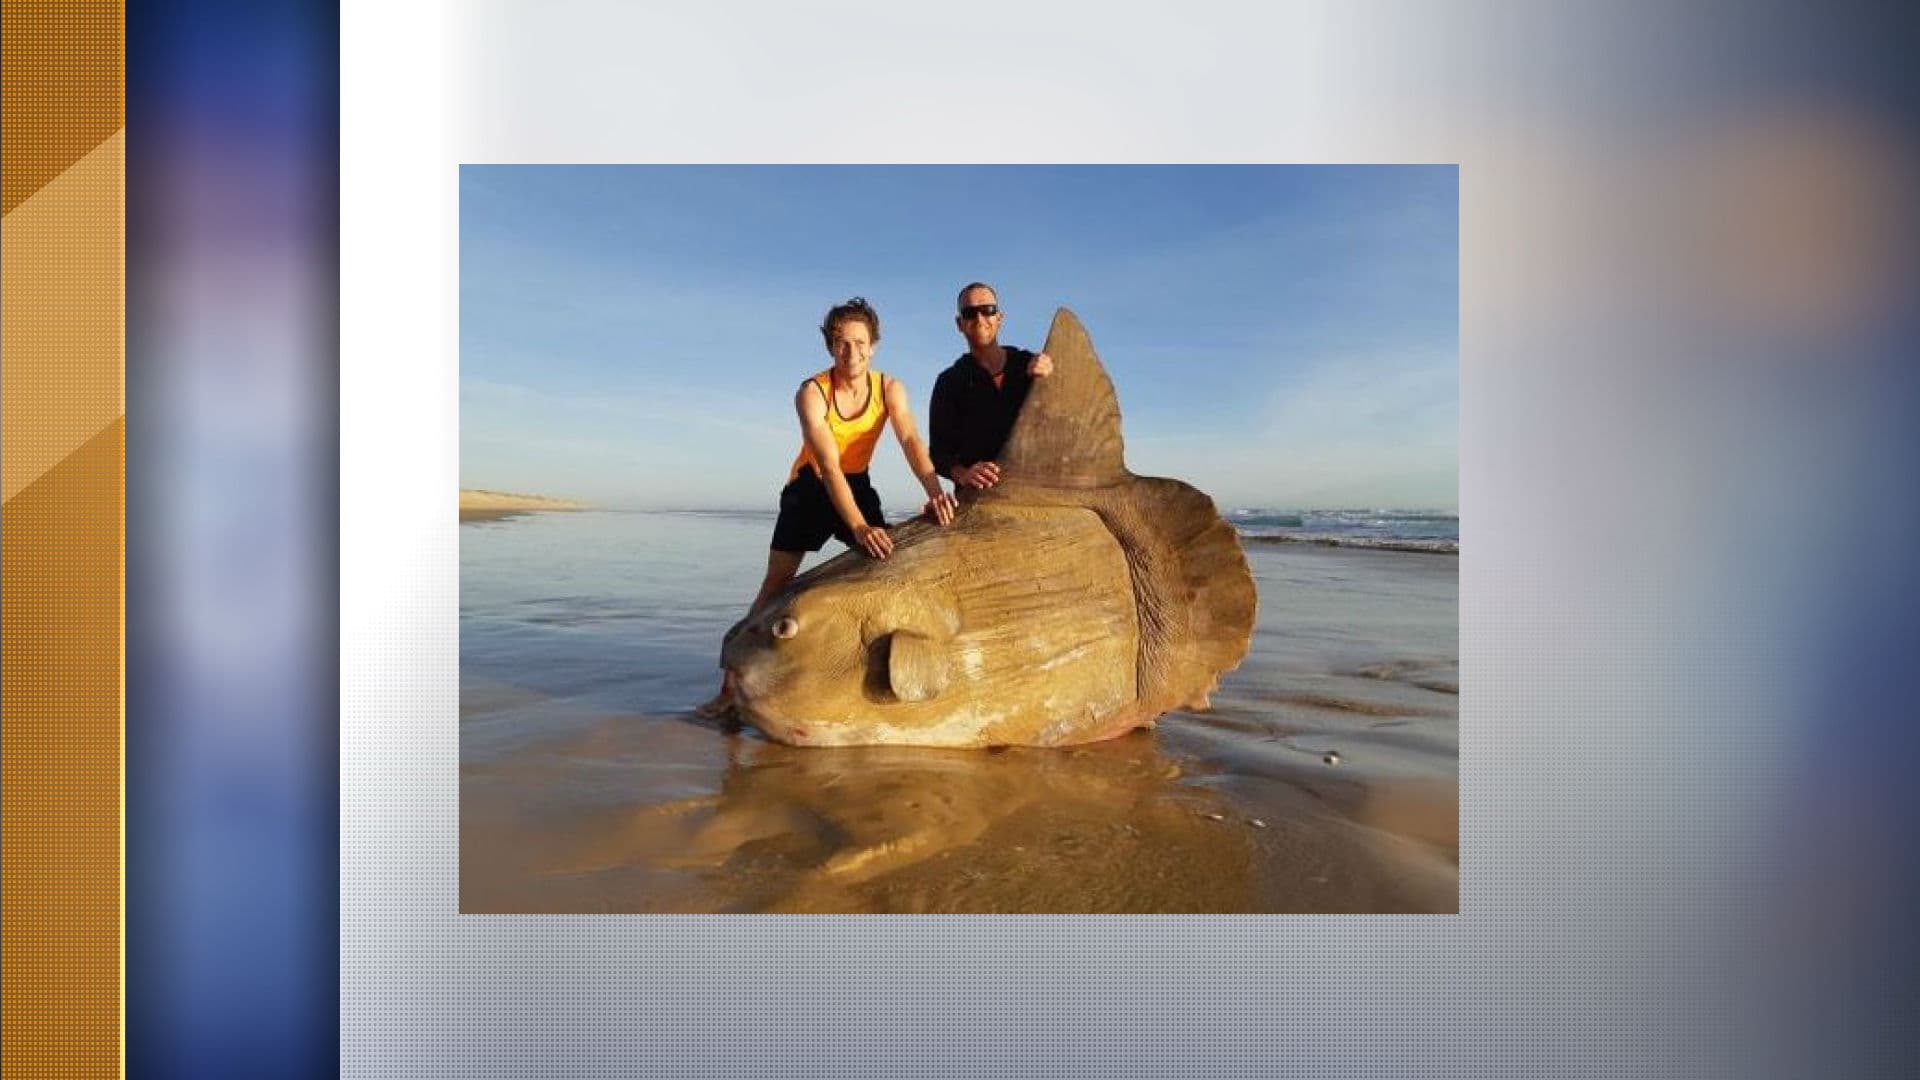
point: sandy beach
(477, 504)
(1323, 779)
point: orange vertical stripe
(62, 537)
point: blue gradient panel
(232, 581)
(1841, 883)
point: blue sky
(1280, 336)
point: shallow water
(1324, 778)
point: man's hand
(940, 508)
(1040, 366)
(873, 540)
(979, 476)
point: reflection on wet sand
(1120, 826)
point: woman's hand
(940, 508)
(873, 540)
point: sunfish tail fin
(1196, 595)
(1068, 432)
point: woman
(842, 411)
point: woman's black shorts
(807, 516)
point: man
(976, 400)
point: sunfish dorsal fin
(1068, 433)
(1196, 597)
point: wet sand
(1324, 779)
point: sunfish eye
(786, 627)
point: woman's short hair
(856, 308)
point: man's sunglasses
(978, 311)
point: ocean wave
(1383, 528)
(1267, 518)
(1376, 543)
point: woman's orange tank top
(856, 436)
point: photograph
(959, 539)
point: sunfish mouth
(793, 734)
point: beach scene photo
(638, 347)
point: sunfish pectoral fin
(917, 666)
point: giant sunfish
(1072, 602)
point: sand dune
(476, 504)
